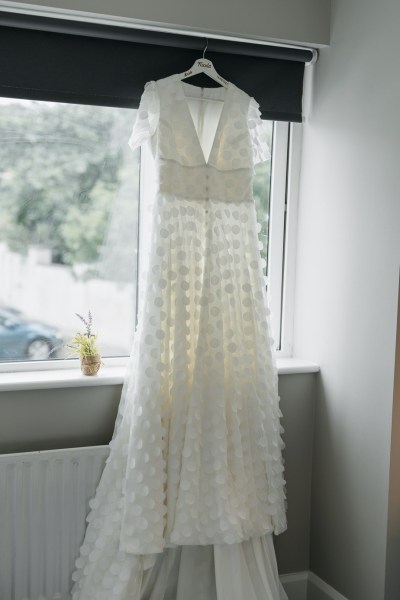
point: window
(70, 194)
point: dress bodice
(237, 142)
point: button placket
(207, 188)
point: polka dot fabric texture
(196, 456)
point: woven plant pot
(90, 365)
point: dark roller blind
(84, 63)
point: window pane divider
(277, 226)
(290, 242)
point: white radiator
(43, 505)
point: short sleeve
(258, 133)
(147, 116)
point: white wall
(347, 281)
(302, 21)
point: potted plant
(85, 346)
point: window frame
(290, 240)
(285, 179)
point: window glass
(69, 200)
(69, 214)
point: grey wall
(303, 21)
(63, 418)
(59, 418)
(346, 305)
(297, 404)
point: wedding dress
(193, 487)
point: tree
(61, 166)
(68, 182)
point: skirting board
(308, 586)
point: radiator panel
(44, 500)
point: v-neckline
(196, 135)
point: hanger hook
(205, 47)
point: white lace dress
(193, 487)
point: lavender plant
(85, 344)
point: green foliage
(66, 184)
(60, 167)
(84, 227)
(83, 345)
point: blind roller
(83, 63)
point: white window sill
(108, 375)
